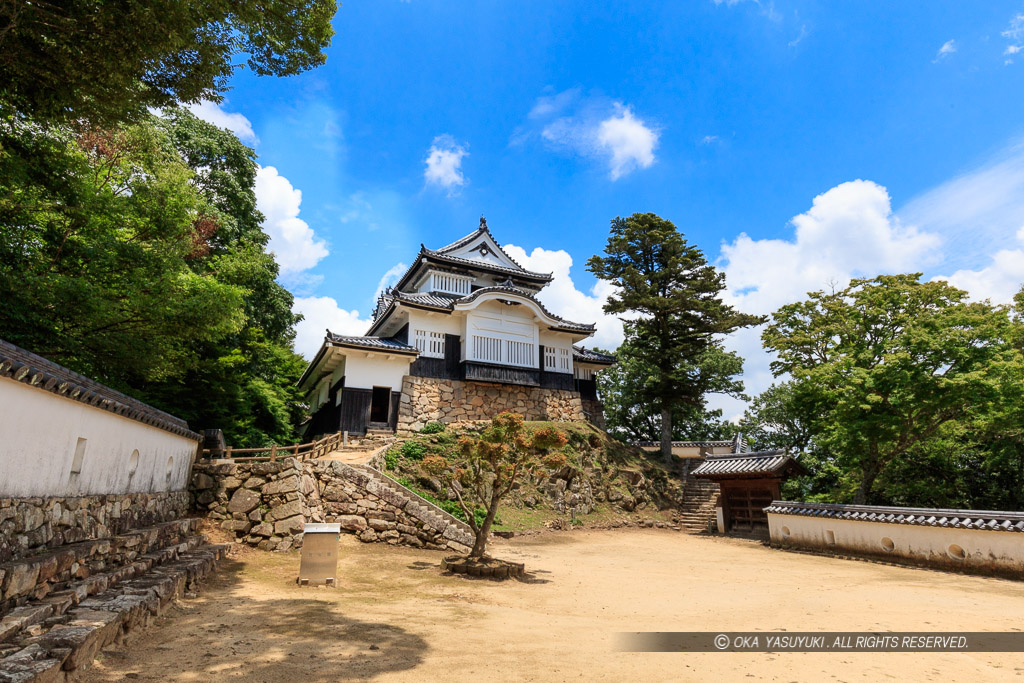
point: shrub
(413, 450)
(432, 428)
(391, 459)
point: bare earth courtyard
(394, 617)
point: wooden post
(273, 453)
(227, 453)
(295, 449)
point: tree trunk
(480, 544)
(666, 434)
(867, 482)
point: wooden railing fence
(302, 451)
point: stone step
(35, 577)
(69, 594)
(73, 641)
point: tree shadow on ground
(227, 634)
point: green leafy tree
(248, 379)
(886, 366)
(106, 62)
(490, 466)
(96, 233)
(675, 296)
(136, 256)
(631, 417)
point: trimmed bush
(432, 428)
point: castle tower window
(448, 283)
(430, 344)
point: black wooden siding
(503, 374)
(355, 410)
(587, 389)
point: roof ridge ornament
(483, 223)
(508, 284)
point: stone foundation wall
(594, 412)
(428, 399)
(263, 503)
(266, 504)
(33, 525)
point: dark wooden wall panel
(355, 410)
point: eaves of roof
(35, 371)
(989, 520)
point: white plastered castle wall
(368, 370)
(940, 546)
(42, 433)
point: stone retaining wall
(428, 399)
(266, 504)
(32, 525)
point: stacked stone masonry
(33, 525)
(58, 608)
(53, 639)
(454, 402)
(267, 504)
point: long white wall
(41, 432)
(979, 549)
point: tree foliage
(630, 416)
(135, 256)
(891, 377)
(491, 464)
(674, 296)
(106, 62)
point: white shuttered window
(430, 344)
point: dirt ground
(395, 617)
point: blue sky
(797, 143)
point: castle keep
(461, 337)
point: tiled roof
(26, 367)
(686, 444)
(587, 356)
(375, 343)
(485, 265)
(992, 520)
(730, 466)
(483, 229)
(422, 298)
(568, 324)
(447, 303)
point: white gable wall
(494, 254)
(365, 371)
(498, 333)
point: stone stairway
(458, 533)
(362, 450)
(697, 508)
(64, 606)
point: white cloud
(323, 313)
(803, 34)
(978, 211)
(1014, 33)
(849, 231)
(293, 242)
(708, 139)
(629, 140)
(444, 164)
(214, 113)
(948, 48)
(594, 127)
(562, 298)
(998, 281)
(390, 278)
